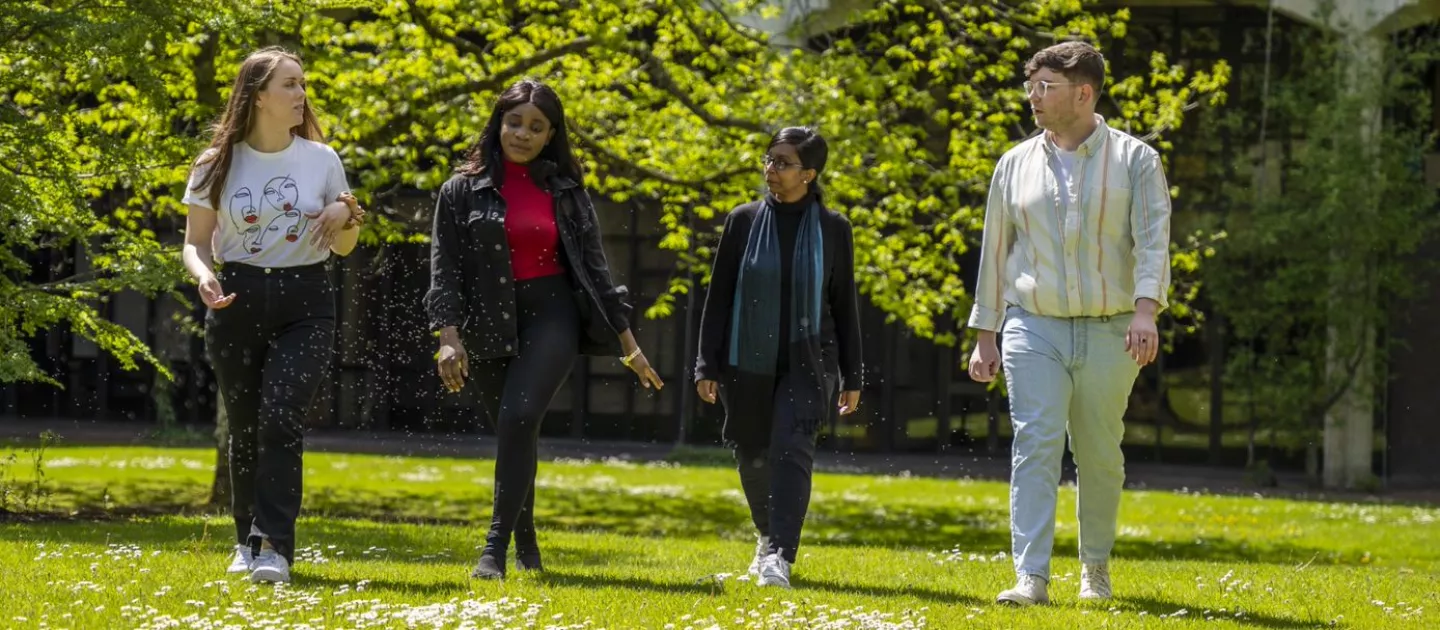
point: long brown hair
(239, 115)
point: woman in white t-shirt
(268, 202)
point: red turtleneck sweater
(529, 225)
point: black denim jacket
(471, 284)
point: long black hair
(556, 154)
(814, 151)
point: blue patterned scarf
(754, 344)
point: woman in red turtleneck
(519, 287)
(530, 226)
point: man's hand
(985, 358)
(1142, 339)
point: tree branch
(664, 80)
(397, 124)
(1155, 133)
(744, 31)
(460, 43)
(1007, 13)
(615, 160)
(1324, 406)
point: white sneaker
(242, 561)
(775, 571)
(270, 567)
(762, 548)
(1095, 582)
(1029, 590)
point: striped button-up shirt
(1089, 253)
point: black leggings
(516, 392)
(270, 349)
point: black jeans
(776, 478)
(516, 392)
(270, 349)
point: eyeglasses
(1043, 85)
(779, 165)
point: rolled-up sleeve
(1150, 228)
(988, 313)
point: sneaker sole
(769, 582)
(259, 576)
(1022, 602)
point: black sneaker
(528, 560)
(490, 567)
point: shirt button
(268, 270)
(509, 347)
(504, 316)
(504, 280)
(497, 247)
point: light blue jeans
(1065, 374)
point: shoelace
(776, 561)
(1098, 578)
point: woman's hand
(849, 402)
(648, 378)
(212, 295)
(451, 361)
(327, 224)
(708, 390)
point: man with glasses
(1074, 270)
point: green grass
(389, 541)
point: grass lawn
(389, 542)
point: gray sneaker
(762, 549)
(1029, 590)
(242, 561)
(1095, 582)
(775, 571)
(270, 567)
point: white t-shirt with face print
(262, 215)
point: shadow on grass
(682, 515)
(584, 580)
(1158, 607)
(944, 597)
(432, 590)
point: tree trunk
(1217, 390)
(1349, 429)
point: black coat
(471, 283)
(829, 363)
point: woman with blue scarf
(780, 341)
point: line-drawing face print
(259, 243)
(281, 195)
(246, 217)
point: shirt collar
(1091, 146)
